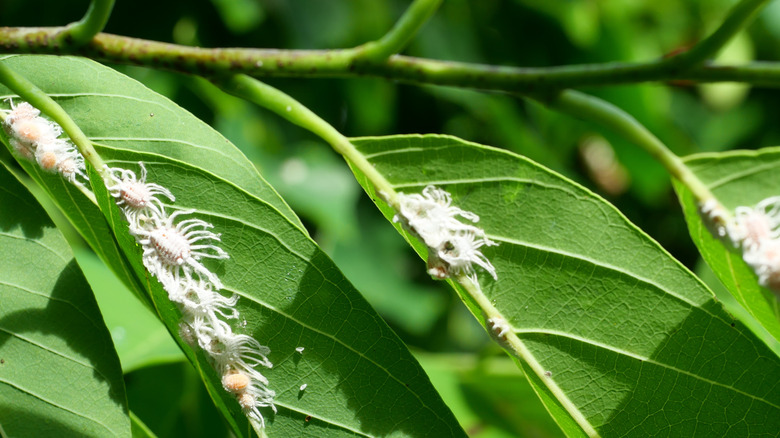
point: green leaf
(630, 337)
(140, 338)
(59, 374)
(737, 178)
(84, 215)
(361, 378)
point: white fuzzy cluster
(453, 246)
(173, 248)
(756, 232)
(38, 139)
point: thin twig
(404, 30)
(79, 33)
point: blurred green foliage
(317, 184)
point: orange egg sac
(29, 130)
(48, 160)
(235, 382)
(246, 401)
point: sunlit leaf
(739, 178)
(361, 379)
(625, 332)
(139, 337)
(59, 373)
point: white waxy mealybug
(36, 138)
(172, 246)
(754, 226)
(765, 261)
(22, 111)
(36, 130)
(241, 351)
(25, 150)
(172, 252)
(235, 382)
(71, 166)
(25, 125)
(453, 246)
(47, 160)
(187, 334)
(246, 401)
(198, 298)
(249, 403)
(139, 199)
(498, 327)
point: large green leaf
(635, 341)
(361, 378)
(738, 178)
(140, 338)
(84, 215)
(59, 373)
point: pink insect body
(171, 245)
(135, 194)
(48, 160)
(235, 382)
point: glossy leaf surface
(738, 178)
(633, 339)
(361, 380)
(59, 373)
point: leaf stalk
(290, 109)
(81, 32)
(404, 30)
(596, 110)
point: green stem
(404, 30)
(264, 63)
(287, 107)
(282, 104)
(37, 98)
(81, 32)
(604, 113)
(739, 16)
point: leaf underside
(59, 374)
(631, 337)
(736, 178)
(361, 380)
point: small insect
(303, 387)
(2, 361)
(47, 159)
(235, 382)
(499, 327)
(171, 244)
(548, 374)
(299, 350)
(247, 401)
(307, 419)
(137, 194)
